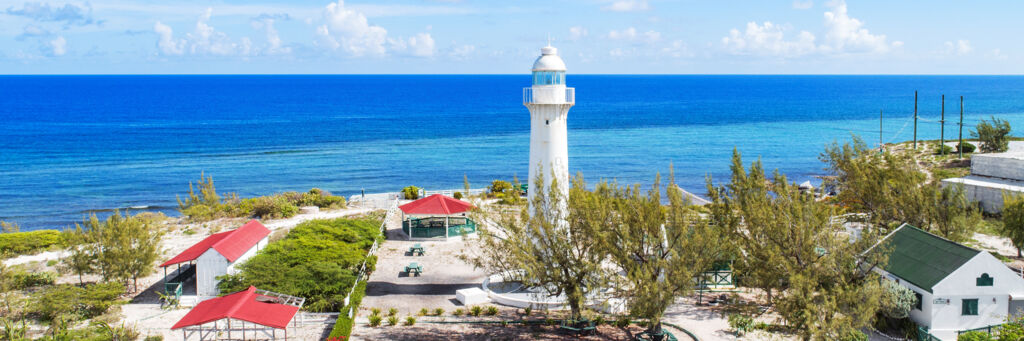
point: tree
(465, 184)
(81, 259)
(9, 227)
(892, 189)
(1013, 219)
(897, 300)
(411, 192)
(791, 244)
(994, 135)
(541, 250)
(661, 249)
(124, 247)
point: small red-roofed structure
(215, 256)
(437, 216)
(251, 314)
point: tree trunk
(656, 331)
(1018, 252)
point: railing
(924, 335)
(549, 95)
(373, 249)
(435, 228)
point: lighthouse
(549, 101)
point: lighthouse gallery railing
(548, 95)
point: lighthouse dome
(549, 60)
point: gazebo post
(447, 219)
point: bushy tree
(897, 300)
(791, 245)
(120, 248)
(994, 135)
(661, 249)
(81, 258)
(1013, 219)
(893, 190)
(540, 249)
(411, 193)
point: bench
(416, 248)
(577, 328)
(414, 267)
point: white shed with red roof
(218, 254)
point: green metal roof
(922, 258)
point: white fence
(373, 249)
(390, 196)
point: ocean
(71, 146)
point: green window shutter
(984, 281)
(969, 306)
(917, 304)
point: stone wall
(1002, 165)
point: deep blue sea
(74, 145)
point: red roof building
(437, 216)
(436, 204)
(269, 310)
(230, 244)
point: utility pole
(960, 146)
(915, 120)
(942, 124)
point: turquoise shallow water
(74, 145)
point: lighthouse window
(548, 77)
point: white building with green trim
(958, 288)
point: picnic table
(414, 267)
(417, 248)
(578, 327)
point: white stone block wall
(1003, 165)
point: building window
(918, 298)
(969, 307)
(984, 281)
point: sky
(503, 37)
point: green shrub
(458, 312)
(438, 311)
(943, 149)
(411, 192)
(321, 198)
(500, 186)
(855, 335)
(897, 300)
(457, 195)
(527, 311)
(424, 312)
(318, 259)
(622, 322)
(492, 310)
(22, 243)
(975, 336)
(475, 310)
(154, 338)
(374, 311)
(993, 135)
(392, 320)
(375, 320)
(20, 279)
(741, 324)
(967, 147)
(392, 311)
(270, 207)
(343, 326)
(74, 301)
(409, 320)
(599, 320)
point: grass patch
(318, 259)
(30, 242)
(343, 327)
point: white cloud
(960, 47)
(627, 6)
(677, 49)
(274, 42)
(997, 54)
(69, 14)
(420, 45)
(204, 40)
(768, 39)
(349, 31)
(631, 34)
(577, 32)
(462, 52)
(58, 46)
(167, 44)
(848, 35)
(797, 4)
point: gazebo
(251, 314)
(437, 216)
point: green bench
(651, 335)
(414, 267)
(577, 328)
(417, 248)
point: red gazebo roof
(230, 244)
(436, 204)
(244, 305)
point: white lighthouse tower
(549, 102)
